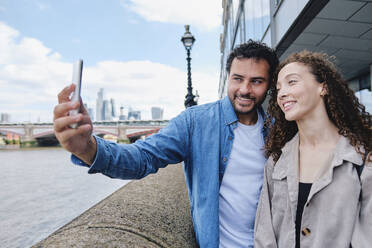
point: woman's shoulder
(368, 160)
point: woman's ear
(324, 90)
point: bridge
(124, 131)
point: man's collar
(228, 111)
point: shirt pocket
(279, 205)
(279, 199)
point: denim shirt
(202, 137)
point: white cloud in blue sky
(204, 14)
(138, 60)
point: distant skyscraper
(122, 117)
(113, 113)
(106, 113)
(90, 111)
(99, 106)
(5, 118)
(134, 115)
(156, 113)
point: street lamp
(188, 40)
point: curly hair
(256, 50)
(343, 108)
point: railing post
(28, 139)
(122, 134)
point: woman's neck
(317, 131)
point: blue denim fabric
(202, 137)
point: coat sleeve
(362, 235)
(263, 230)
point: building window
(257, 18)
(365, 82)
(362, 88)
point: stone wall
(152, 212)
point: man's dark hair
(256, 50)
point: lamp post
(188, 40)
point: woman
(313, 195)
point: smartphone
(76, 79)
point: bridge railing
(114, 123)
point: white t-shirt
(241, 186)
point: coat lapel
(344, 151)
(287, 167)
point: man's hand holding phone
(77, 73)
(73, 126)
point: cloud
(17, 50)
(143, 84)
(205, 15)
(31, 75)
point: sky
(131, 48)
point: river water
(41, 190)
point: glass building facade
(242, 20)
(341, 28)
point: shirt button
(230, 138)
(224, 159)
(306, 231)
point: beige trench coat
(333, 215)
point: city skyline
(106, 110)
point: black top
(303, 193)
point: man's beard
(239, 112)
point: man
(220, 143)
